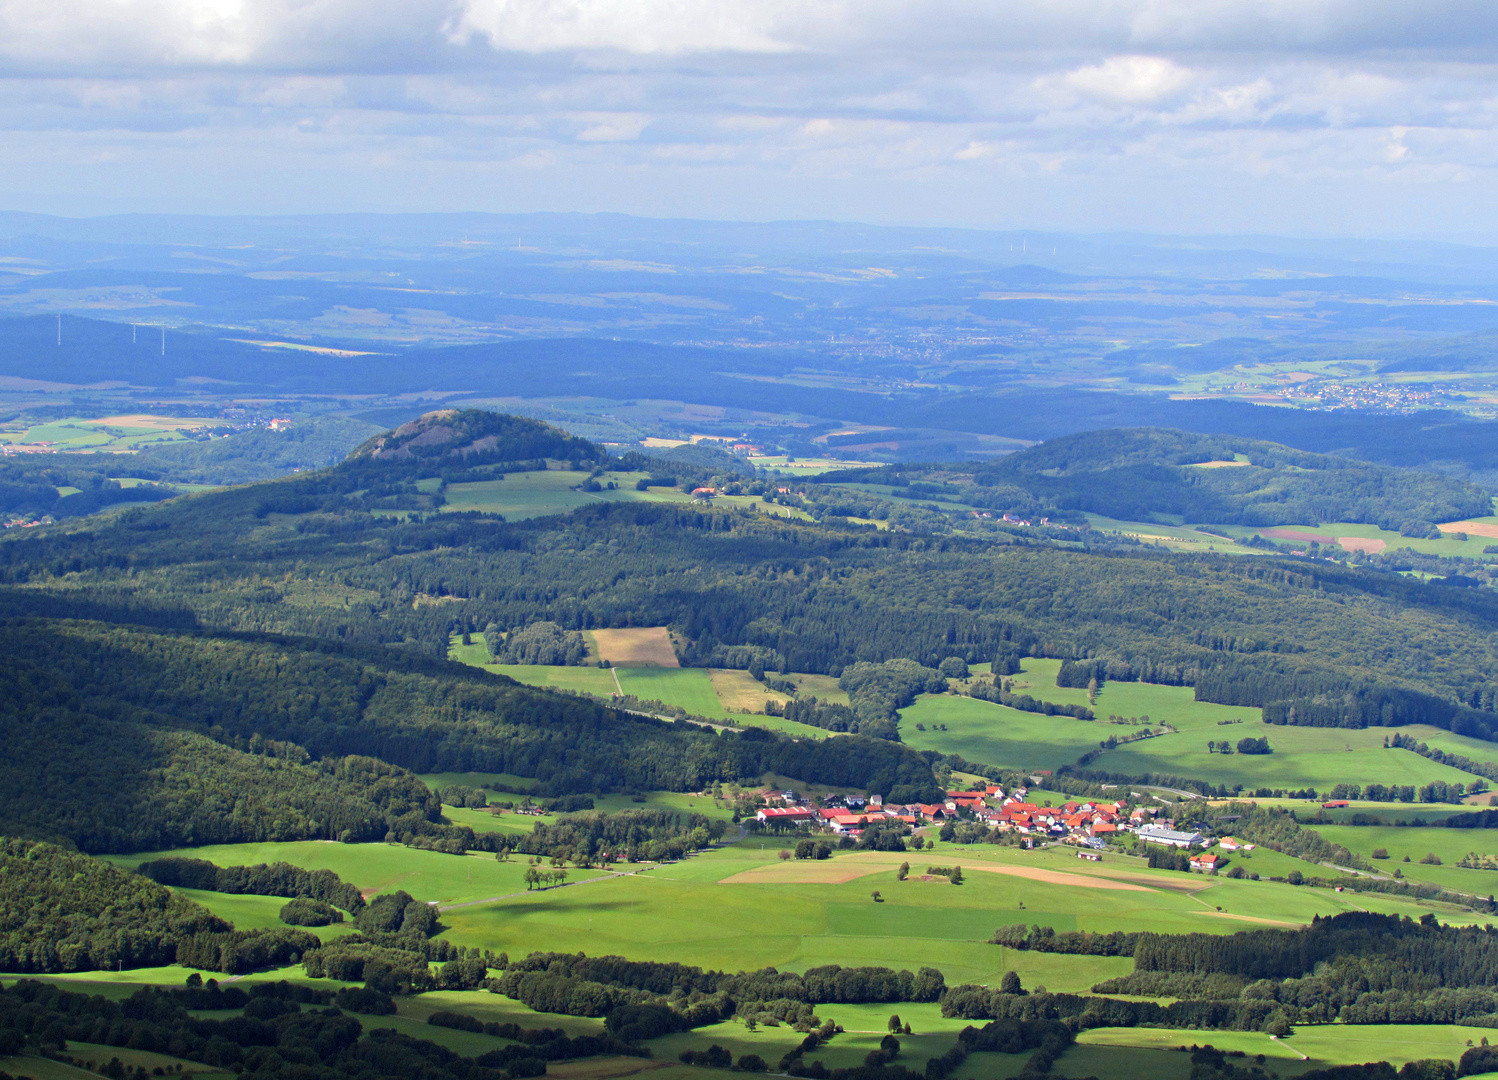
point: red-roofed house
(791, 815)
(1207, 861)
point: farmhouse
(1155, 834)
(1228, 843)
(784, 815)
(852, 823)
(1090, 856)
(1207, 861)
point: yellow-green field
(109, 434)
(712, 693)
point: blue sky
(1317, 117)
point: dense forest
(1367, 648)
(216, 739)
(1357, 968)
(62, 911)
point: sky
(1296, 117)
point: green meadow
(1323, 1044)
(1448, 845)
(1303, 756)
(426, 875)
(687, 688)
(520, 496)
(798, 915)
(995, 735)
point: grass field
(536, 494)
(730, 908)
(1449, 845)
(741, 907)
(374, 868)
(687, 688)
(1303, 756)
(994, 735)
(1324, 1044)
(88, 1057)
(520, 496)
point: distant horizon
(1119, 233)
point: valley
(503, 745)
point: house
(1104, 828)
(784, 815)
(1335, 804)
(1206, 861)
(1228, 843)
(932, 811)
(852, 823)
(1090, 856)
(1156, 834)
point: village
(1088, 825)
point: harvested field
(643, 646)
(1060, 877)
(1358, 543)
(741, 692)
(1297, 534)
(1471, 528)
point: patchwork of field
(1303, 756)
(742, 907)
(687, 912)
(711, 693)
(1353, 536)
(109, 434)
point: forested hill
(304, 556)
(1137, 473)
(449, 437)
(120, 738)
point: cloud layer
(1192, 115)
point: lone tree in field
(874, 896)
(903, 872)
(895, 1024)
(956, 877)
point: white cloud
(1130, 80)
(612, 127)
(637, 26)
(879, 95)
